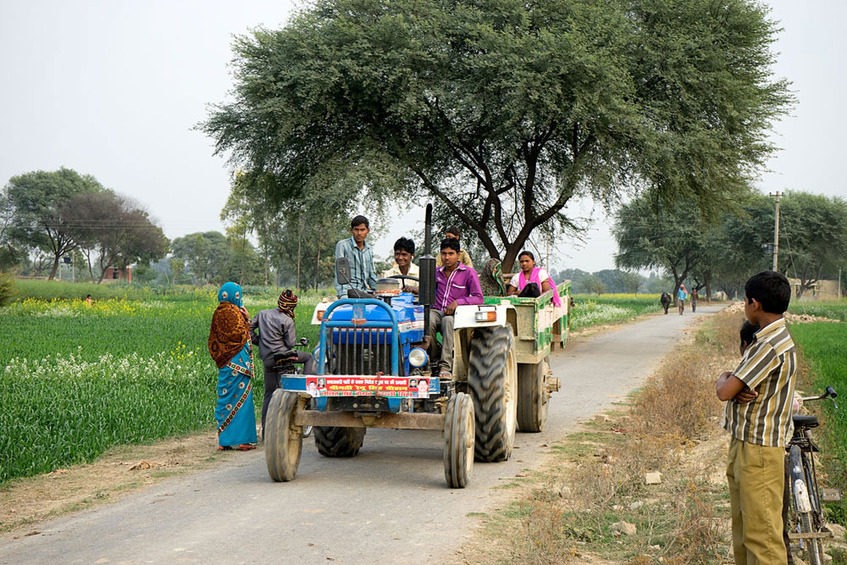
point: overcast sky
(114, 88)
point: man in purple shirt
(455, 284)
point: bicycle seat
(805, 421)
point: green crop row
(593, 310)
(833, 309)
(822, 344)
(76, 379)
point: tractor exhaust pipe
(426, 290)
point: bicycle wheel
(802, 505)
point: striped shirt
(768, 366)
(362, 274)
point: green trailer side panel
(537, 324)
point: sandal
(224, 447)
(246, 447)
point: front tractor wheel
(493, 382)
(459, 441)
(283, 440)
(333, 441)
(533, 396)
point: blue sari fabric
(234, 413)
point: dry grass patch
(582, 506)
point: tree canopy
(112, 228)
(812, 237)
(37, 199)
(505, 110)
(654, 234)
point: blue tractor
(374, 372)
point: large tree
(113, 229)
(37, 200)
(206, 254)
(505, 110)
(812, 237)
(296, 236)
(669, 236)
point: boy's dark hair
(454, 230)
(358, 221)
(771, 289)
(747, 332)
(405, 244)
(451, 243)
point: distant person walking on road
(681, 295)
(229, 346)
(693, 299)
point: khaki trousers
(756, 480)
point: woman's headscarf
(491, 279)
(229, 331)
(287, 303)
(230, 292)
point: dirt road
(387, 505)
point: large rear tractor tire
(333, 441)
(493, 382)
(533, 397)
(283, 440)
(459, 441)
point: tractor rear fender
(482, 316)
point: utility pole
(776, 232)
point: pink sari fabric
(534, 277)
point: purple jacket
(462, 286)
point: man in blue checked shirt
(360, 254)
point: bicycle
(806, 516)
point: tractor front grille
(360, 351)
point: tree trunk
(55, 268)
(299, 239)
(708, 288)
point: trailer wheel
(533, 398)
(459, 440)
(283, 440)
(493, 382)
(333, 441)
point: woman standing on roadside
(229, 345)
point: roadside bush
(7, 288)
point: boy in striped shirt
(759, 394)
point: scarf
(287, 303)
(534, 277)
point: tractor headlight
(417, 357)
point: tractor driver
(455, 284)
(404, 252)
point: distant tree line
(47, 216)
(720, 251)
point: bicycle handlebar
(830, 393)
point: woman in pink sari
(532, 274)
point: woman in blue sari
(229, 345)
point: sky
(114, 89)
